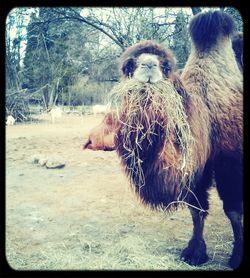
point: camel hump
(206, 28)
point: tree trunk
(51, 97)
(45, 97)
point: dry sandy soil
(85, 216)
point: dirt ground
(85, 216)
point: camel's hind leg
(229, 182)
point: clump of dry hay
(148, 108)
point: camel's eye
(166, 68)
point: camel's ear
(180, 88)
(128, 67)
(87, 145)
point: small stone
(42, 161)
(50, 164)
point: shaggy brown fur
(101, 137)
(211, 89)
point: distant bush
(86, 93)
(17, 105)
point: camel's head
(147, 62)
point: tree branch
(78, 17)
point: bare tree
(123, 26)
